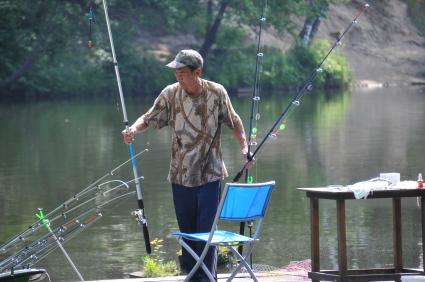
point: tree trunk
(29, 61)
(311, 24)
(211, 34)
(306, 33)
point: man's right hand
(128, 135)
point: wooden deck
(242, 277)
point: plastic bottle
(420, 181)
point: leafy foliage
(155, 266)
(287, 70)
(44, 45)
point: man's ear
(198, 71)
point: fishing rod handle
(141, 219)
(238, 175)
(146, 237)
(249, 157)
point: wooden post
(397, 238)
(342, 241)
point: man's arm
(239, 133)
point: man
(194, 109)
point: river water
(51, 150)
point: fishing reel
(139, 214)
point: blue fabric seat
(239, 202)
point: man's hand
(250, 161)
(128, 135)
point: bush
(299, 62)
(234, 66)
(154, 266)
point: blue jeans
(195, 210)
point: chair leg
(199, 261)
(242, 262)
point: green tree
(44, 42)
(32, 34)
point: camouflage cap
(187, 58)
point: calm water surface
(52, 150)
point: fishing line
(295, 102)
(140, 212)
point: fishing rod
(252, 133)
(30, 251)
(63, 209)
(35, 251)
(307, 85)
(98, 201)
(40, 215)
(140, 212)
(255, 97)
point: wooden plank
(222, 277)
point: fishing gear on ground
(28, 250)
(66, 221)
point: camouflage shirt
(196, 157)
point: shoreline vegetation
(52, 59)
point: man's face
(187, 77)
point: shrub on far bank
(234, 67)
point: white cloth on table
(362, 189)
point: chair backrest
(245, 202)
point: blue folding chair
(239, 202)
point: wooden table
(344, 274)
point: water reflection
(52, 150)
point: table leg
(341, 233)
(397, 237)
(314, 226)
